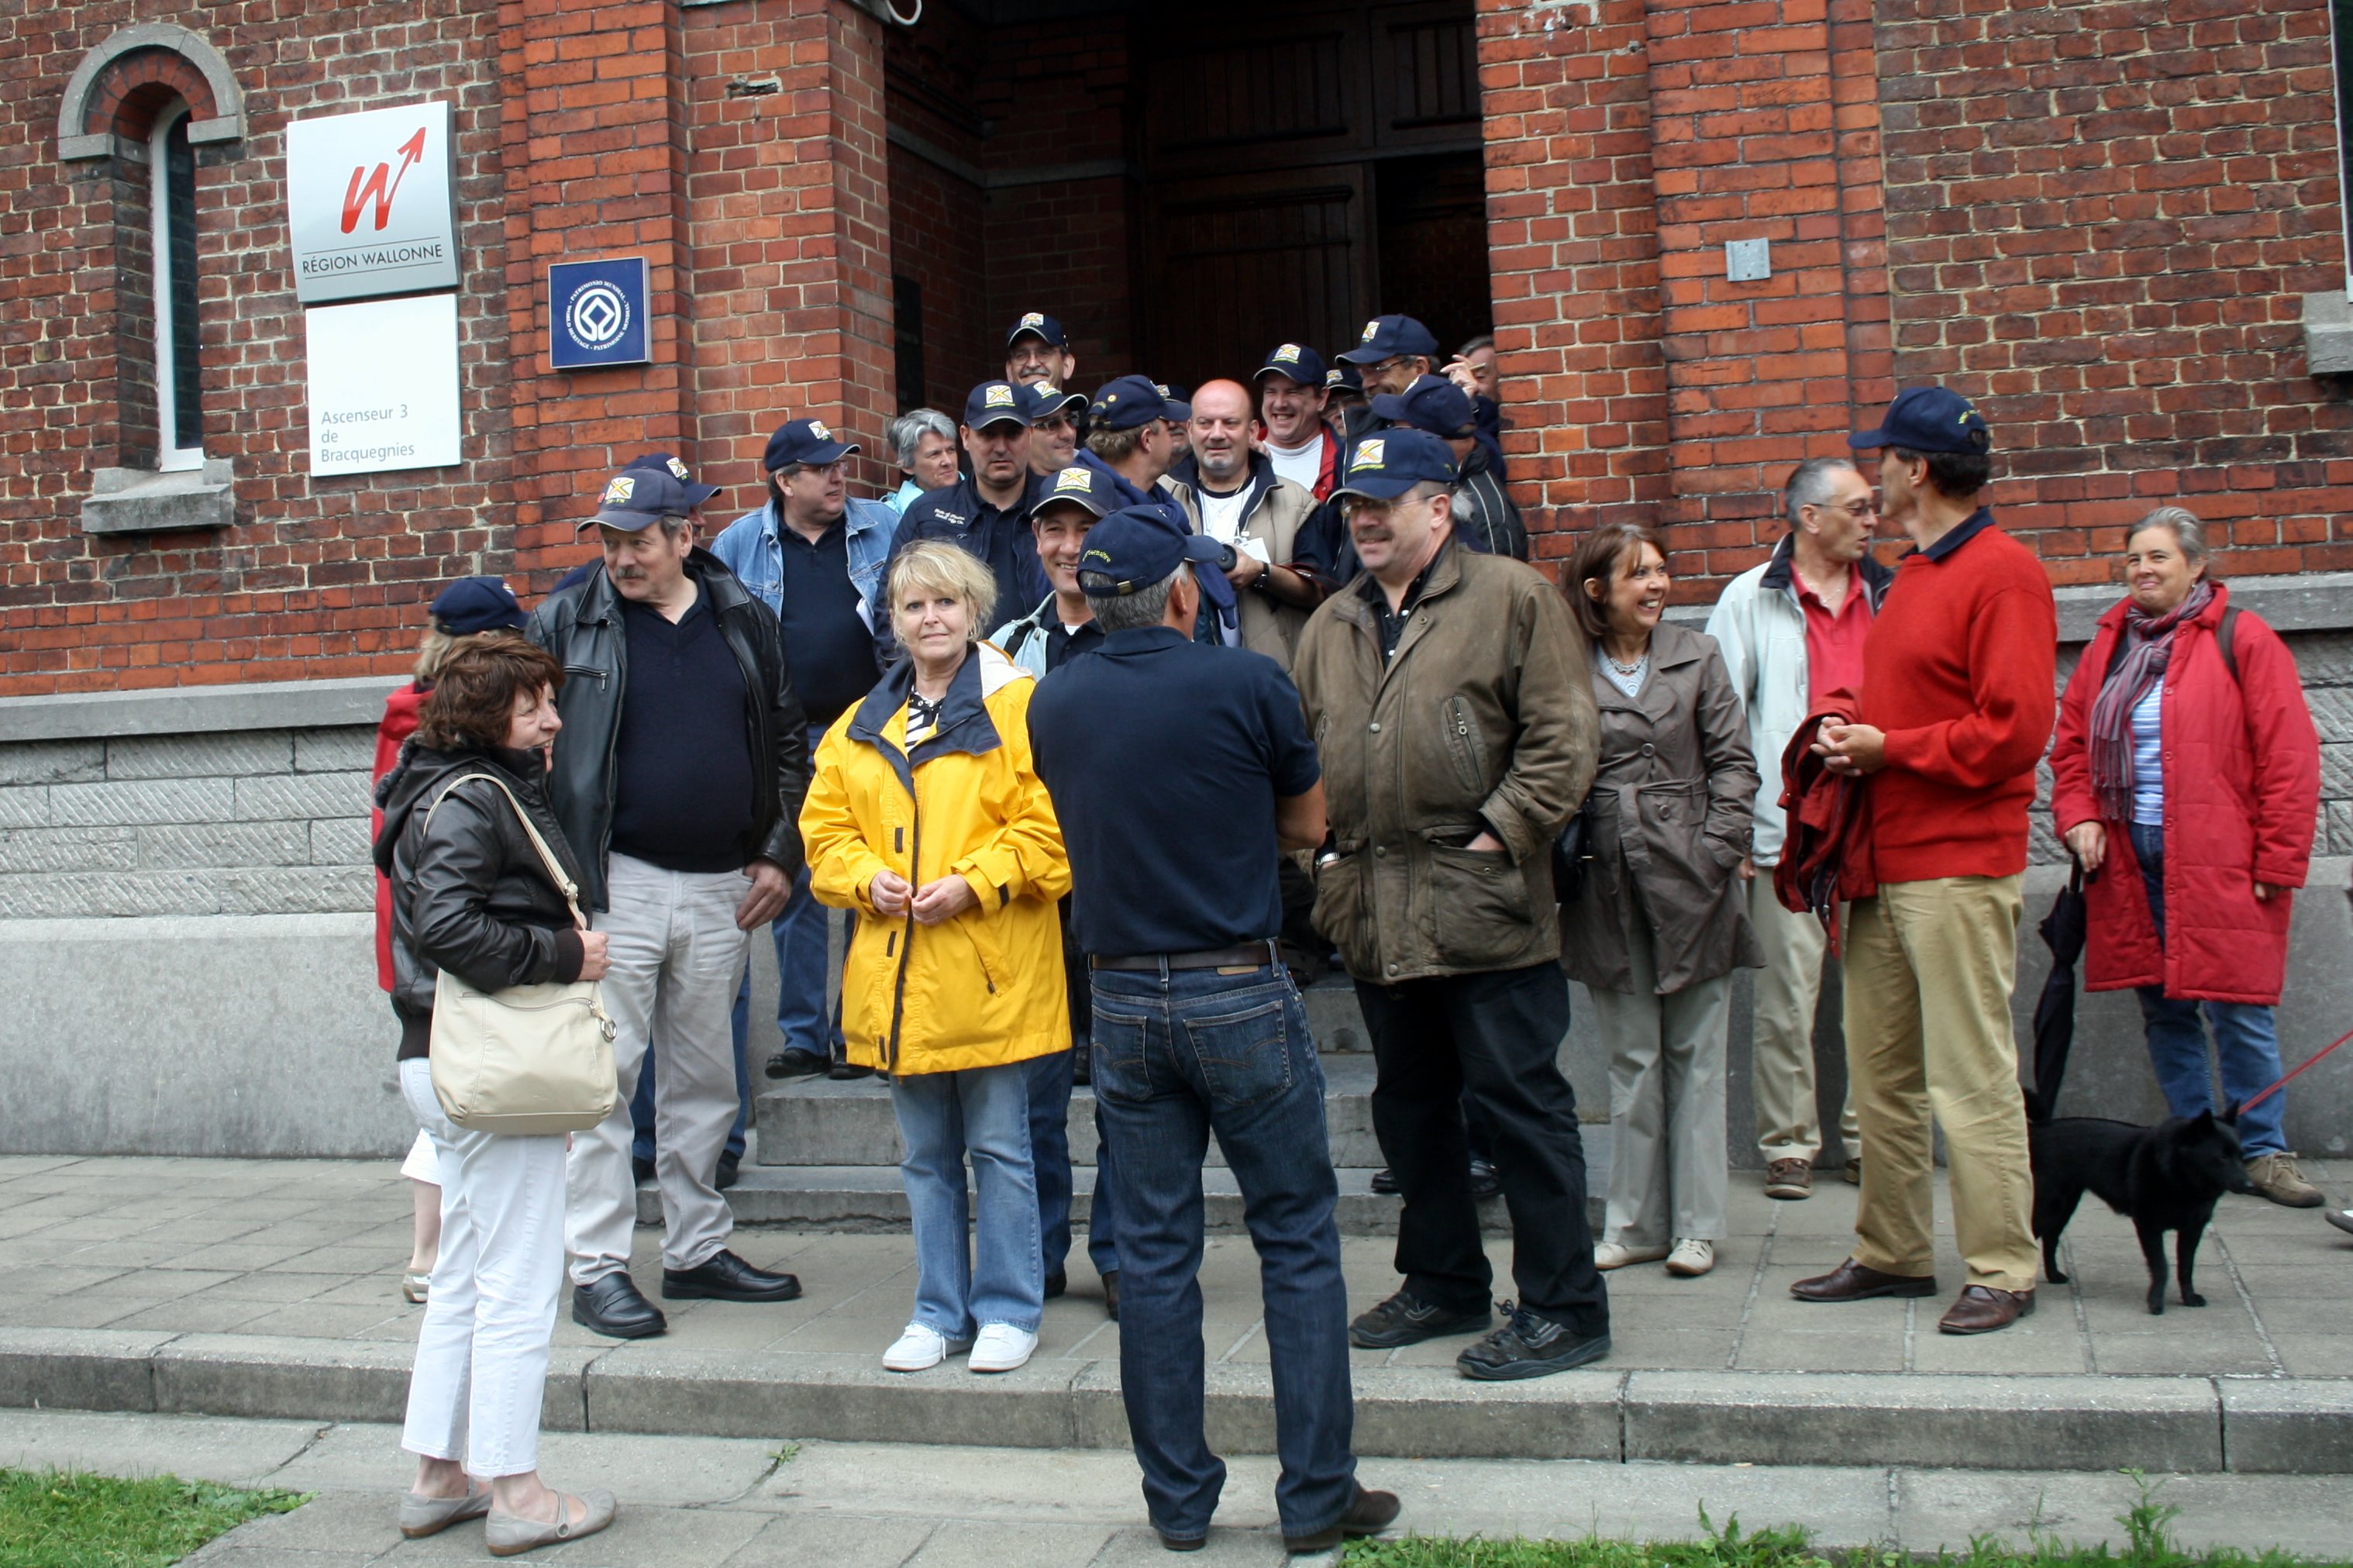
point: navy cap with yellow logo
(996, 403)
(1127, 403)
(1084, 484)
(1928, 419)
(1040, 325)
(651, 488)
(1386, 337)
(1292, 362)
(1383, 466)
(1135, 547)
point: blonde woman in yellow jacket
(927, 820)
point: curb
(2167, 1424)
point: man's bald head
(1222, 433)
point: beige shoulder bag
(531, 1058)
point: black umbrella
(2054, 1010)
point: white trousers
(1781, 1039)
(481, 1356)
(1668, 1162)
(677, 958)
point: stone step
(825, 1123)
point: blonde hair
(435, 650)
(935, 566)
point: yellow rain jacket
(983, 988)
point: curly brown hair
(472, 704)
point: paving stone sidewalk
(705, 1503)
(312, 1249)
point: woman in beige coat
(1658, 925)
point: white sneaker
(1001, 1347)
(1618, 1254)
(920, 1348)
(1692, 1258)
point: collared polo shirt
(1064, 644)
(684, 781)
(1392, 621)
(1165, 759)
(827, 640)
(1833, 640)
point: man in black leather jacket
(678, 778)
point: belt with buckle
(1247, 956)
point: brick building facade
(2114, 222)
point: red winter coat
(399, 722)
(2241, 787)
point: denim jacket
(748, 547)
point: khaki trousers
(1929, 967)
(1667, 1136)
(1782, 1049)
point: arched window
(172, 207)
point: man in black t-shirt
(1179, 770)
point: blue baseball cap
(1042, 326)
(1345, 379)
(1179, 399)
(1137, 547)
(478, 604)
(654, 487)
(1096, 489)
(1124, 404)
(1388, 463)
(996, 403)
(1046, 400)
(1292, 362)
(1928, 419)
(1386, 337)
(804, 442)
(1432, 403)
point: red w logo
(381, 186)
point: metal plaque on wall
(370, 202)
(597, 314)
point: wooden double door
(1306, 167)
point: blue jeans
(997, 1278)
(1178, 1055)
(2246, 1034)
(1050, 1144)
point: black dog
(2162, 1178)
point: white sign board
(384, 384)
(369, 203)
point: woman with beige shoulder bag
(488, 957)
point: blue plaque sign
(598, 314)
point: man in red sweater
(1956, 706)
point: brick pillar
(593, 146)
(789, 201)
(1574, 261)
(1752, 112)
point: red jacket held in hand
(2242, 785)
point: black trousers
(1497, 1036)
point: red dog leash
(2308, 1061)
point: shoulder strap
(2224, 643)
(546, 855)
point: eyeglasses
(1865, 508)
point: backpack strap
(563, 884)
(2224, 643)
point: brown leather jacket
(1668, 822)
(1482, 719)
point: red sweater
(1961, 672)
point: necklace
(1633, 669)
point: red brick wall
(319, 578)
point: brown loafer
(1850, 1281)
(1371, 1513)
(1788, 1178)
(1981, 1309)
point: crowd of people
(1122, 711)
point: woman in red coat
(2193, 786)
(466, 607)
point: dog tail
(2037, 1113)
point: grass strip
(69, 1519)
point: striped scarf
(2145, 648)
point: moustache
(628, 574)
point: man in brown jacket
(1451, 705)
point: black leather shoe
(731, 1171)
(614, 1305)
(842, 1072)
(1385, 1183)
(723, 1277)
(1111, 1295)
(794, 1065)
(1057, 1283)
(1530, 1345)
(1082, 1071)
(642, 1169)
(1404, 1319)
(1484, 1182)
(1371, 1513)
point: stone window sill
(136, 500)
(2328, 334)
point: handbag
(1571, 855)
(530, 1059)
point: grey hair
(2185, 525)
(908, 430)
(674, 525)
(1810, 484)
(1145, 606)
